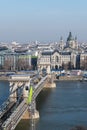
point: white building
(55, 59)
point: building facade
(15, 61)
(56, 59)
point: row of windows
(45, 60)
(55, 60)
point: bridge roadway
(5, 111)
(11, 122)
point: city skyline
(45, 21)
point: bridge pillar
(50, 82)
(34, 112)
(31, 113)
(19, 85)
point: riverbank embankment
(4, 78)
(61, 78)
(69, 78)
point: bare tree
(83, 64)
(70, 65)
(22, 64)
(65, 66)
(7, 65)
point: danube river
(60, 108)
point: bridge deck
(6, 109)
(15, 117)
(6, 112)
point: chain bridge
(16, 107)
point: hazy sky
(42, 20)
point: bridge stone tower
(19, 90)
(19, 85)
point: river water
(60, 108)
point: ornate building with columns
(55, 59)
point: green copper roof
(70, 37)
